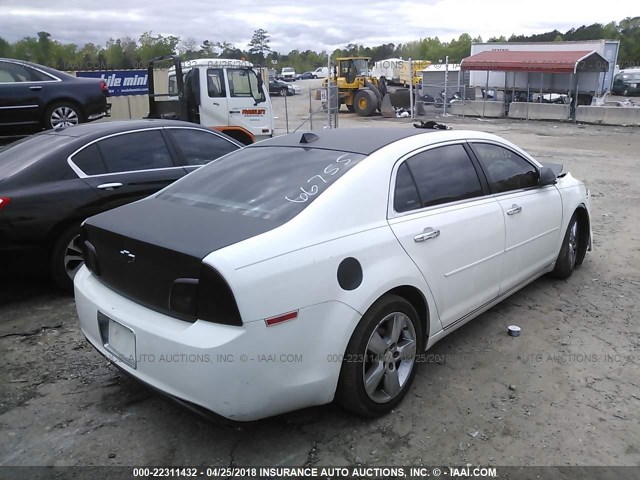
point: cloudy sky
(303, 24)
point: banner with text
(121, 82)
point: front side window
(272, 183)
(198, 147)
(505, 169)
(243, 82)
(443, 175)
(135, 151)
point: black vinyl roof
(355, 140)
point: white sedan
(316, 266)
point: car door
(127, 166)
(20, 94)
(197, 147)
(244, 111)
(532, 214)
(214, 105)
(451, 228)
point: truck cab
(223, 94)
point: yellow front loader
(357, 89)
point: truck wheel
(351, 108)
(63, 114)
(365, 103)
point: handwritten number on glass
(330, 170)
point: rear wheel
(66, 258)
(62, 114)
(284, 92)
(567, 258)
(380, 360)
(365, 103)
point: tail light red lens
(4, 201)
(104, 87)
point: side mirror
(547, 177)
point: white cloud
(305, 24)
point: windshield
(272, 183)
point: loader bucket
(386, 109)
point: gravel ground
(566, 392)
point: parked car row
(35, 97)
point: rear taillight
(206, 298)
(104, 87)
(4, 201)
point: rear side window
(505, 169)
(198, 147)
(215, 83)
(13, 73)
(135, 151)
(443, 175)
(89, 160)
(406, 195)
(272, 183)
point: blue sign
(121, 82)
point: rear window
(272, 183)
(24, 153)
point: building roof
(567, 61)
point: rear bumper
(241, 373)
(105, 113)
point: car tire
(315, 77)
(625, 92)
(365, 103)
(567, 258)
(66, 258)
(351, 108)
(284, 92)
(380, 356)
(62, 113)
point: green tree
(259, 44)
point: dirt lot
(566, 392)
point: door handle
(109, 186)
(234, 111)
(427, 234)
(514, 209)
(36, 87)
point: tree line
(129, 53)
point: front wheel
(567, 258)
(66, 258)
(380, 360)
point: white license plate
(122, 343)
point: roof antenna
(309, 137)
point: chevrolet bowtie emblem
(130, 256)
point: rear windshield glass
(21, 154)
(273, 183)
